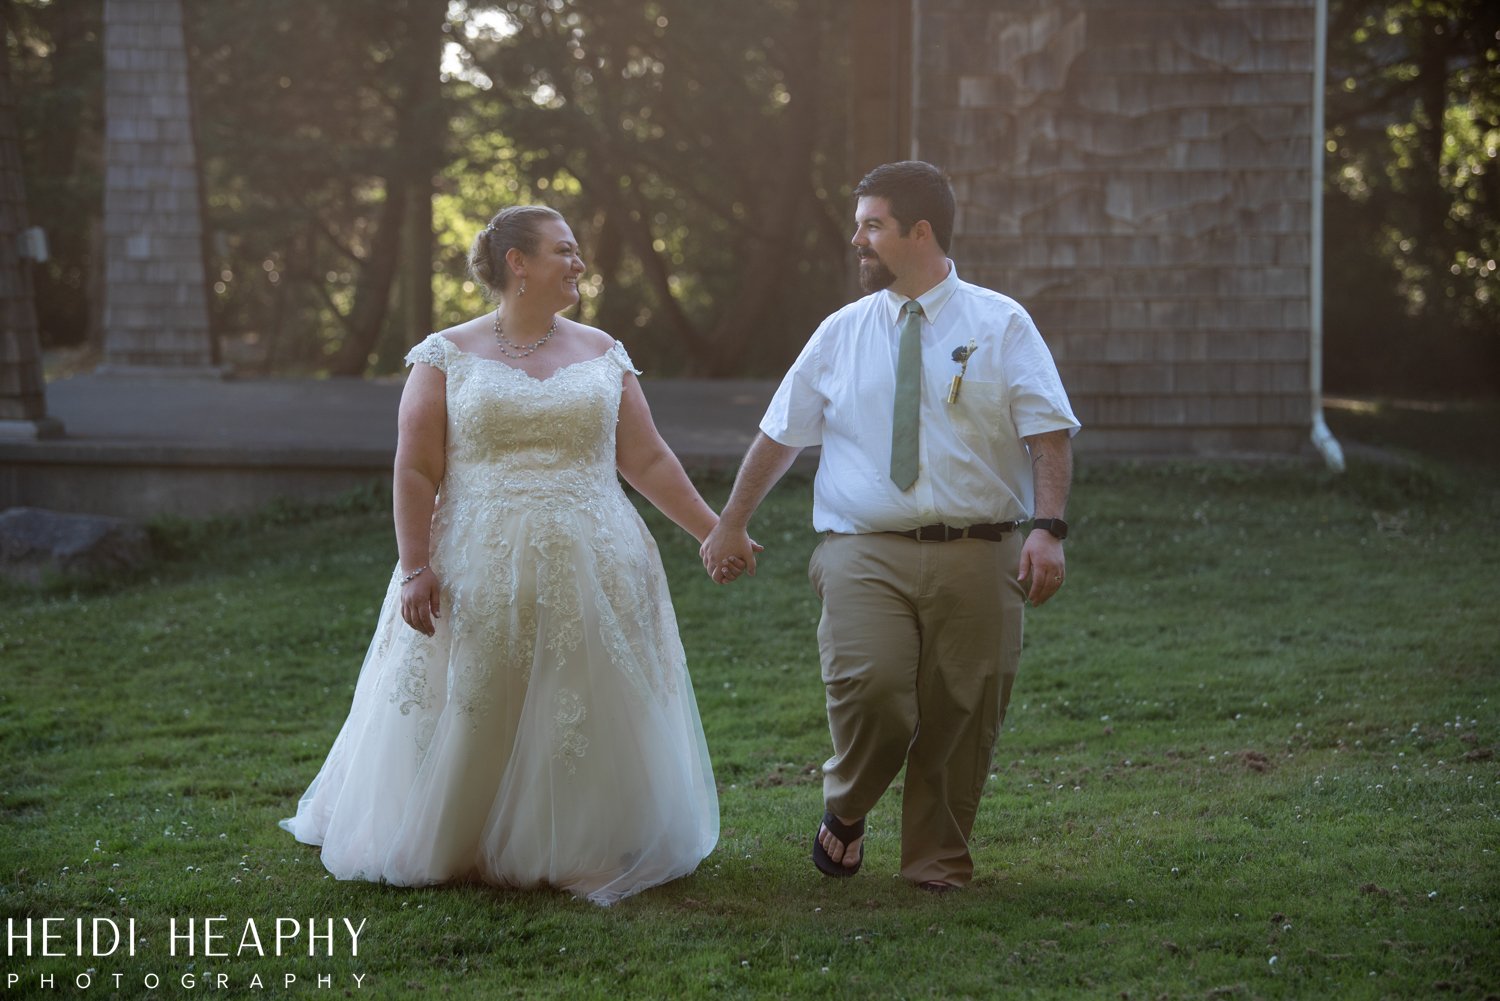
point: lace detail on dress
(526, 534)
(554, 690)
(622, 358)
(412, 690)
(570, 743)
(434, 350)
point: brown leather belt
(946, 533)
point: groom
(943, 427)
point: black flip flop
(848, 834)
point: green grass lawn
(1251, 755)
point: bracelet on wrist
(419, 571)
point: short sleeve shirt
(974, 466)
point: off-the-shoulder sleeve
(432, 351)
(622, 358)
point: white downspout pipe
(1326, 444)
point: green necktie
(908, 398)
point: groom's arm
(765, 463)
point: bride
(524, 715)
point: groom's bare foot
(848, 855)
(838, 847)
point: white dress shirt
(974, 466)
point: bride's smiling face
(552, 272)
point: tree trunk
(404, 232)
(609, 315)
(23, 400)
(428, 130)
(66, 136)
(774, 249)
(372, 295)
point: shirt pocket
(979, 413)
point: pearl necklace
(512, 350)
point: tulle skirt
(546, 735)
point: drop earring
(522, 290)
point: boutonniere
(961, 355)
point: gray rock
(35, 543)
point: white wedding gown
(547, 735)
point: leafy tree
(696, 146)
(321, 128)
(688, 143)
(1413, 201)
(688, 156)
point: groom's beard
(873, 274)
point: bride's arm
(421, 440)
(647, 464)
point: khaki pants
(920, 642)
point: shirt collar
(932, 301)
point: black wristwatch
(1056, 526)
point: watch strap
(1054, 526)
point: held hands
(1042, 562)
(728, 552)
(420, 602)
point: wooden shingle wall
(1138, 176)
(155, 297)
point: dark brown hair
(916, 190)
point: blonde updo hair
(512, 227)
